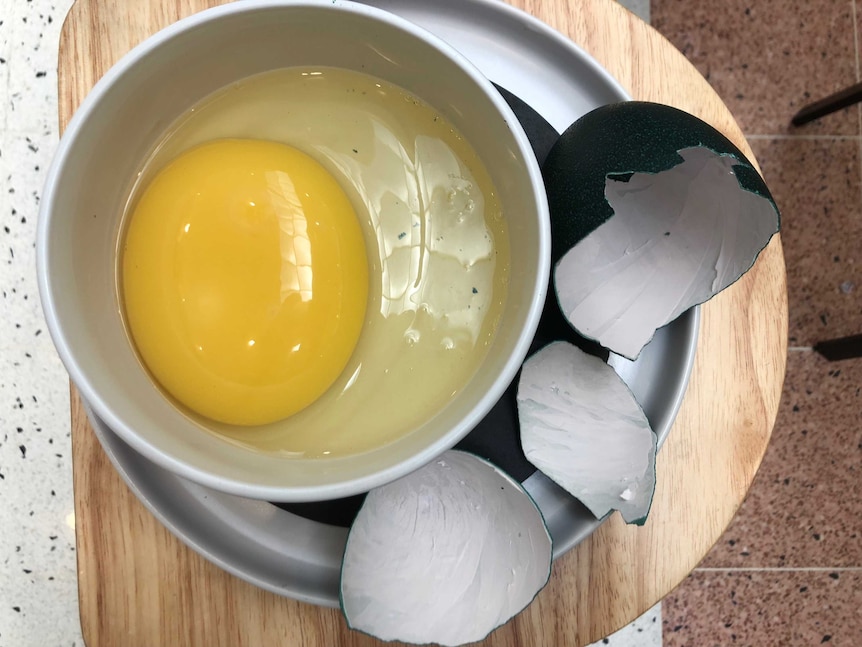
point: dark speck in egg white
(402, 235)
(23, 449)
(355, 151)
(475, 291)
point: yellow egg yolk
(244, 280)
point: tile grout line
(779, 569)
(855, 14)
(808, 137)
(855, 36)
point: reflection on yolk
(245, 280)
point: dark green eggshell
(618, 140)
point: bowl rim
(230, 485)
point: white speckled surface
(38, 586)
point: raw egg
(245, 280)
(413, 312)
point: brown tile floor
(783, 608)
(788, 571)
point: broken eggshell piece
(444, 555)
(653, 211)
(582, 427)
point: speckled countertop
(38, 584)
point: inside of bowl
(126, 117)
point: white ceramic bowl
(129, 110)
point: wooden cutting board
(139, 586)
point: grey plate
(298, 558)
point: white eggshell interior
(676, 239)
(583, 428)
(445, 554)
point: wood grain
(140, 586)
